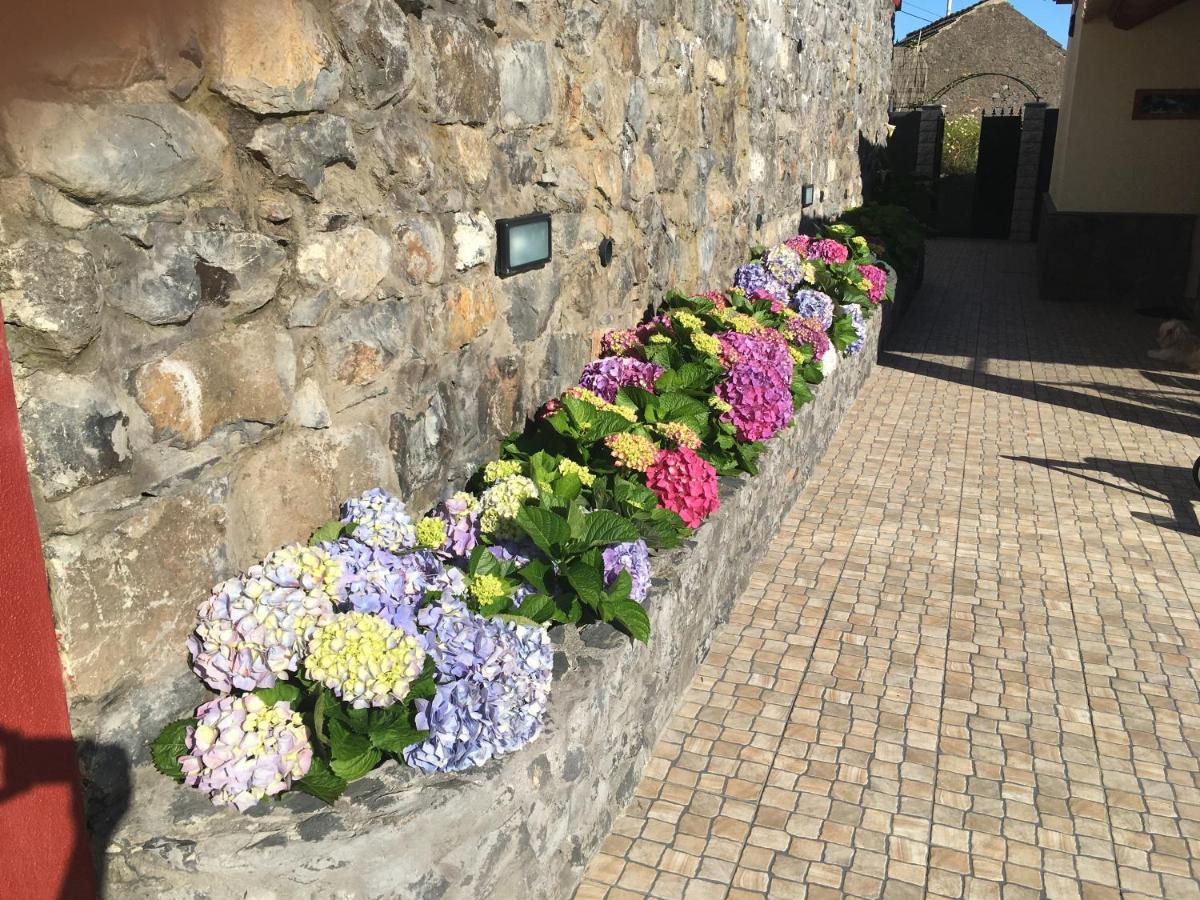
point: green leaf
(351, 755)
(546, 529)
(425, 687)
(587, 581)
(632, 617)
(634, 494)
(280, 691)
(604, 527)
(321, 782)
(330, 531)
(396, 733)
(567, 487)
(621, 587)
(517, 619)
(688, 377)
(169, 746)
(535, 572)
(537, 608)
(483, 563)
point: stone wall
(246, 264)
(525, 825)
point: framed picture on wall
(1169, 103)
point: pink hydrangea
(619, 341)
(765, 349)
(717, 297)
(829, 250)
(800, 243)
(760, 402)
(685, 484)
(809, 331)
(878, 280)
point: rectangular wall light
(806, 196)
(522, 244)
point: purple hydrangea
(392, 586)
(809, 331)
(828, 250)
(241, 750)
(756, 281)
(860, 327)
(493, 687)
(632, 557)
(765, 349)
(608, 375)
(380, 520)
(877, 279)
(786, 265)
(461, 515)
(814, 305)
(760, 402)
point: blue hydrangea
(814, 305)
(493, 687)
(632, 557)
(854, 311)
(389, 585)
(380, 520)
(753, 278)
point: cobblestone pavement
(967, 666)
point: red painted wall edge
(44, 849)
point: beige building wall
(1105, 161)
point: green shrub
(899, 232)
(960, 147)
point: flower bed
(425, 641)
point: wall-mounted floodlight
(806, 196)
(522, 244)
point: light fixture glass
(522, 244)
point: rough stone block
(52, 293)
(299, 154)
(466, 82)
(374, 36)
(345, 265)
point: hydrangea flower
(687, 320)
(251, 632)
(632, 557)
(501, 502)
(786, 265)
(756, 281)
(829, 251)
(631, 451)
(679, 434)
(705, 343)
(431, 533)
(461, 515)
(876, 280)
(764, 350)
(364, 660)
(392, 586)
(814, 305)
(485, 589)
(583, 473)
(307, 568)
(380, 520)
(619, 342)
(854, 311)
(591, 398)
(501, 468)
(241, 750)
(718, 404)
(720, 301)
(604, 377)
(760, 401)
(800, 243)
(809, 331)
(685, 484)
(494, 685)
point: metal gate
(996, 176)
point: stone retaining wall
(525, 825)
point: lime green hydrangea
(310, 569)
(685, 319)
(682, 435)
(364, 660)
(502, 501)
(595, 400)
(797, 355)
(632, 451)
(860, 243)
(583, 473)
(431, 533)
(706, 343)
(744, 324)
(718, 404)
(659, 339)
(500, 468)
(808, 272)
(789, 313)
(486, 589)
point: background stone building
(246, 260)
(990, 36)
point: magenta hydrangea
(800, 243)
(809, 331)
(766, 349)
(685, 484)
(829, 250)
(760, 403)
(878, 279)
(608, 375)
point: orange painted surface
(44, 850)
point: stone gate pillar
(929, 142)
(1033, 133)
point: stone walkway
(968, 665)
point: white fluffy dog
(1178, 344)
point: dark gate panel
(902, 144)
(996, 176)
